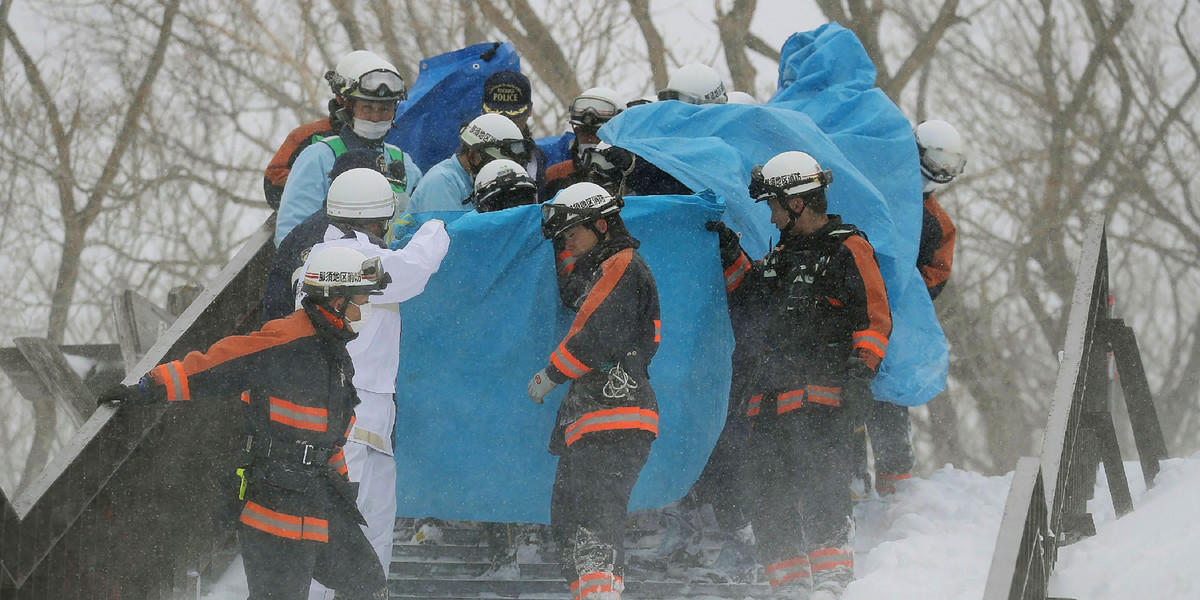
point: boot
(681, 539)
(832, 571)
(790, 579)
(736, 562)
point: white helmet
(742, 98)
(787, 175)
(941, 150)
(595, 106)
(361, 194)
(495, 136)
(341, 271)
(575, 205)
(503, 184)
(365, 75)
(695, 84)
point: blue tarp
(827, 106)
(469, 442)
(447, 93)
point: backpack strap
(335, 143)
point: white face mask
(364, 315)
(371, 130)
(930, 185)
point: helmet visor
(669, 94)
(518, 151)
(941, 166)
(383, 85)
(374, 276)
(592, 111)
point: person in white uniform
(364, 198)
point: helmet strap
(793, 215)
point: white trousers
(375, 473)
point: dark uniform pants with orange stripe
(282, 569)
(801, 470)
(890, 430)
(590, 499)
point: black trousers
(281, 569)
(891, 441)
(801, 475)
(590, 499)
(724, 483)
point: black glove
(731, 243)
(856, 392)
(129, 394)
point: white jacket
(376, 350)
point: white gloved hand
(539, 386)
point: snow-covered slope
(934, 540)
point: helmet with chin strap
(579, 204)
(788, 175)
(493, 136)
(503, 184)
(361, 195)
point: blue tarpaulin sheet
(469, 442)
(447, 93)
(828, 107)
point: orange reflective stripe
(871, 341)
(789, 401)
(567, 363)
(315, 529)
(299, 416)
(752, 410)
(284, 525)
(830, 558)
(657, 330)
(594, 583)
(172, 376)
(893, 476)
(246, 397)
(829, 396)
(788, 570)
(338, 462)
(736, 272)
(612, 419)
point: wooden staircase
(459, 569)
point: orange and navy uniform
(606, 353)
(281, 164)
(562, 175)
(824, 303)
(296, 384)
(936, 252)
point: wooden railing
(1041, 517)
(125, 509)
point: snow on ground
(1152, 552)
(935, 538)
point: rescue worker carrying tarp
(827, 325)
(364, 202)
(609, 416)
(942, 159)
(372, 92)
(297, 518)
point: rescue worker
(609, 416)
(588, 112)
(364, 202)
(827, 324)
(300, 137)
(695, 84)
(279, 295)
(372, 92)
(508, 93)
(297, 516)
(942, 159)
(449, 184)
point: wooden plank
(1024, 495)
(138, 322)
(65, 386)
